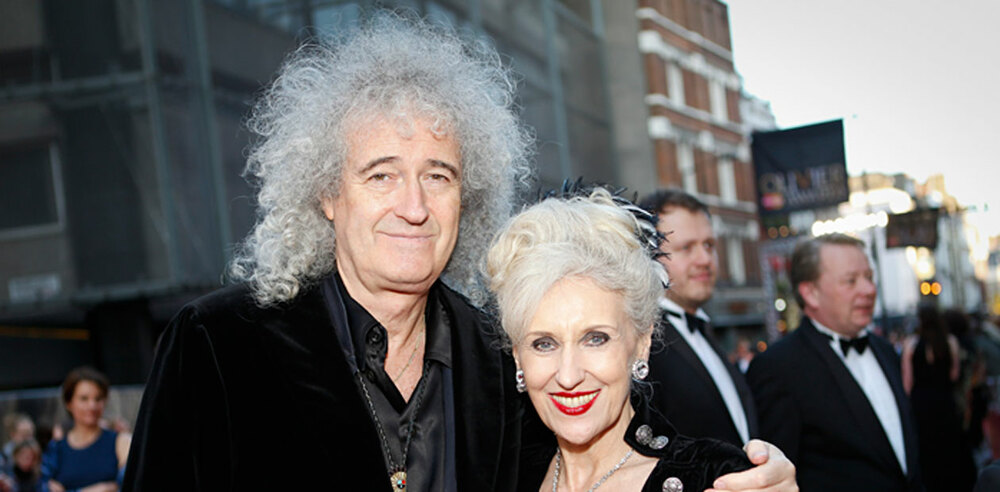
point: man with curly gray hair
(385, 162)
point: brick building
(700, 140)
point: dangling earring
(640, 369)
(521, 385)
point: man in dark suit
(830, 393)
(697, 388)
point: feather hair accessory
(646, 231)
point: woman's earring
(640, 369)
(521, 385)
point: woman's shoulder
(694, 464)
(705, 450)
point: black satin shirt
(430, 466)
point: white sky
(917, 83)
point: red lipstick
(577, 410)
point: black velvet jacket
(249, 398)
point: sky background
(916, 83)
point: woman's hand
(774, 472)
(55, 486)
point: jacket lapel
(742, 388)
(321, 385)
(479, 397)
(890, 367)
(672, 340)
(868, 424)
(739, 381)
(676, 342)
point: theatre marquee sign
(800, 168)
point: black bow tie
(859, 344)
(695, 324)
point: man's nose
(868, 285)
(411, 202)
(702, 254)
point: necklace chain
(555, 478)
(395, 469)
(412, 355)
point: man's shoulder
(465, 310)
(783, 352)
(226, 298)
(237, 305)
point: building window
(717, 100)
(734, 252)
(28, 184)
(727, 181)
(675, 84)
(685, 164)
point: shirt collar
(360, 323)
(676, 310)
(836, 337)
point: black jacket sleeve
(182, 435)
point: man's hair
(805, 259)
(400, 69)
(664, 199)
(84, 373)
(583, 236)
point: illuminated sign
(800, 168)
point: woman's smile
(574, 403)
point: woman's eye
(543, 345)
(596, 339)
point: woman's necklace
(397, 472)
(555, 478)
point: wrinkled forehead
(404, 116)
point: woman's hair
(585, 236)
(394, 68)
(84, 373)
(934, 332)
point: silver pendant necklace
(397, 472)
(555, 477)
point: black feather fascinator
(646, 231)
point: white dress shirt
(713, 363)
(868, 373)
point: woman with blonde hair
(576, 281)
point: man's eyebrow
(446, 165)
(375, 162)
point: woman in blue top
(90, 458)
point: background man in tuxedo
(830, 393)
(698, 390)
